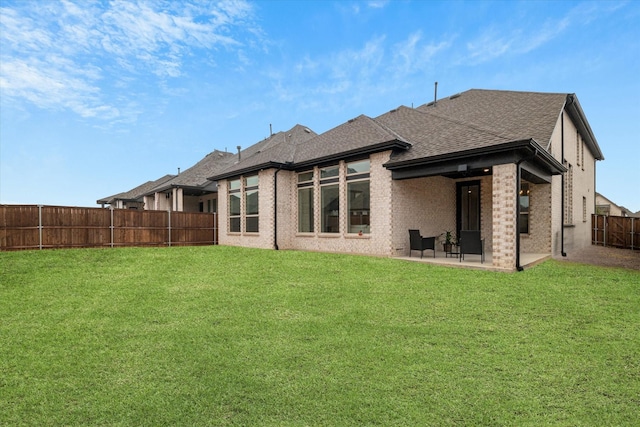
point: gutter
(275, 208)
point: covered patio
(527, 260)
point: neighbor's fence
(618, 231)
(43, 227)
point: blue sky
(99, 97)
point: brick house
(190, 190)
(517, 166)
(134, 198)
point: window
(335, 199)
(358, 197)
(305, 202)
(330, 200)
(234, 206)
(251, 204)
(584, 209)
(524, 208)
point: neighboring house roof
(136, 193)
(602, 200)
(194, 180)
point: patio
(473, 261)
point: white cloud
(375, 68)
(499, 40)
(74, 54)
(377, 4)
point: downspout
(518, 183)
(562, 207)
(275, 208)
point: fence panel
(190, 228)
(617, 231)
(140, 228)
(19, 227)
(35, 226)
(69, 227)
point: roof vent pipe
(435, 94)
(239, 147)
(178, 171)
(270, 130)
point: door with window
(468, 206)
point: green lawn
(231, 336)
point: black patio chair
(470, 242)
(419, 243)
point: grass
(230, 336)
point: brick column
(504, 216)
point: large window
(358, 197)
(251, 204)
(243, 189)
(330, 199)
(524, 208)
(305, 202)
(234, 205)
(328, 188)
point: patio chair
(471, 243)
(419, 243)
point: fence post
(40, 227)
(169, 214)
(111, 226)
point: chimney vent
(435, 94)
(239, 148)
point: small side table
(451, 249)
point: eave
(577, 115)
(345, 155)
(540, 163)
(250, 170)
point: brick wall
(504, 216)
(539, 238)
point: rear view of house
(518, 167)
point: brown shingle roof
(432, 135)
(278, 149)
(356, 134)
(196, 175)
(521, 115)
(137, 192)
(475, 120)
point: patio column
(504, 216)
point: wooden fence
(43, 227)
(618, 231)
